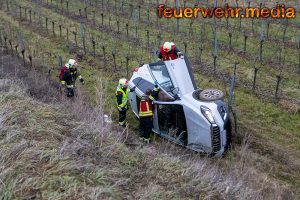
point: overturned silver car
(194, 118)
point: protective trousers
(122, 117)
(146, 124)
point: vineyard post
(139, 7)
(30, 60)
(114, 59)
(230, 41)
(136, 23)
(157, 18)
(67, 5)
(82, 36)
(94, 17)
(185, 48)
(60, 62)
(127, 29)
(102, 20)
(53, 30)
(7, 5)
(268, 26)
(284, 31)
(177, 10)
(158, 39)
(46, 22)
(11, 47)
(299, 54)
(85, 12)
(61, 6)
(94, 46)
(75, 36)
(109, 19)
(25, 12)
(154, 54)
(67, 33)
(131, 9)
(191, 25)
(30, 16)
(23, 56)
(104, 56)
(21, 45)
(260, 50)
(80, 13)
(118, 26)
(59, 30)
(5, 41)
(148, 39)
(279, 78)
(127, 66)
(16, 48)
(299, 61)
(233, 77)
(215, 63)
(254, 78)
(200, 54)
(20, 12)
(148, 15)
(245, 42)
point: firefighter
(169, 51)
(68, 75)
(146, 113)
(122, 99)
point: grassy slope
(51, 151)
(248, 119)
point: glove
(82, 81)
(122, 108)
(156, 83)
(133, 88)
(180, 55)
(63, 83)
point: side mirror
(175, 91)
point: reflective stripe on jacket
(145, 107)
(124, 96)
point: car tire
(211, 95)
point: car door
(170, 122)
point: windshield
(162, 76)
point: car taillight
(136, 69)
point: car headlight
(208, 114)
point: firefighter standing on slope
(146, 113)
(122, 100)
(168, 51)
(68, 75)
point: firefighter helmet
(167, 46)
(123, 82)
(71, 63)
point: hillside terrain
(57, 148)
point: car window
(142, 85)
(162, 76)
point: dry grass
(62, 149)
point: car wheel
(211, 95)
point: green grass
(271, 126)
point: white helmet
(123, 82)
(71, 63)
(167, 46)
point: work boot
(147, 141)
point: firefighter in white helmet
(122, 99)
(68, 75)
(168, 51)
